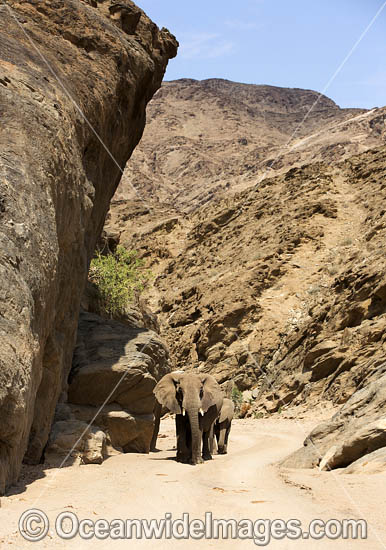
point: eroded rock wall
(110, 396)
(69, 72)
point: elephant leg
(184, 445)
(226, 439)
(197, 430)
(215, 438)
(211, 440)
(217, 433)
(157, 418)
(221, 439)
(206, 454)
(197, 459)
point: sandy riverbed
(246, 483)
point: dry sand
(246, 483)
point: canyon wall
(75, 78)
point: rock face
(75, 78)
(244, 280)
(105, 351)
(338, 344)
(115, 368)
(357, 429)
(260, 287)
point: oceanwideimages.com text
(34, 525)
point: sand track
(246, 483)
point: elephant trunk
(192, 408)
(196, 435)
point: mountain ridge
(206, 139)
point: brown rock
(246, 292)
(97, 68)
(131, 433)
(317, 351)
(71, 440)
(115, 368)
(359, 428)
(217, 137)
(372, 463)
(116, 363)
(325, 366)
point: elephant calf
(222, 426)
(196, 400)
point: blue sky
(293, 43)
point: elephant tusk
(183, 411)
(201, 412)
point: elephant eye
(201, 393)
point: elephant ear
(165, 392)
(212, 392)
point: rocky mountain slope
(279, 286)
(236, 279)
(206, 139)
(65, 69)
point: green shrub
(237, 397)
(117, 276)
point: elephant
(196, 400)
(222, 426)
(159, 411)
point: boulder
(115, 368)
(73, 440)
(356, 430)
(116, 363)
(75, 78)
(131, 433)
(317, 351)
(373, 463)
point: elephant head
(197, 395)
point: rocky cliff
(75, 78)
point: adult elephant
(196, 400)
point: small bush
(117, 277)
(237, 396)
